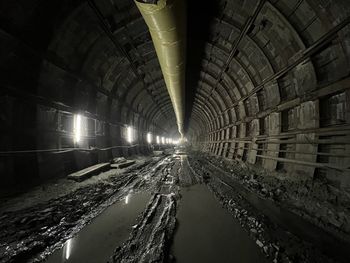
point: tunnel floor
(170, 208)
(207, 233)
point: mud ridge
(150, 238)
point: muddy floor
(169, 208)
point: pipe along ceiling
(259, 86)
(166, 21)
(267, 81)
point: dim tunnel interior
(266, 149)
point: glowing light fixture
(129, 134)
(163, 140)
(77, 128)
(157, 139)
(149, 137)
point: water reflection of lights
(127, 199)
(68, 249)
(182, 159)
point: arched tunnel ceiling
(109, 44)
(245, 58)
(248, 47)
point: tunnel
(216, 131)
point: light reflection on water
(128, 197)
(97, 241)
(68, 248)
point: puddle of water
(97, 241)
(208, 233)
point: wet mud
(192, 208)
(97, 241)
(149, 240)
(282, 235)
(31, 234)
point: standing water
(97, 241)
(208, 233)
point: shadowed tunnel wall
(274, 86)
(60, 58)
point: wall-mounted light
(149, 137)
(129, 134)
(77, 128)
(157, 139)
(163, 140)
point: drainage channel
(207, 232)
(97, 241)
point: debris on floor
(34, 232)
(88, 172)
(149, 240)
(267, 233)
(313, 199)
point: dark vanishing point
(175, 131)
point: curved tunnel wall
(61, 58)
(274, 87)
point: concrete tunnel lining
(267, 90)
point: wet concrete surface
(207, 233)
(97, 241)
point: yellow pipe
(166, 21)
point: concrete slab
(123, 164)
(88, 172)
